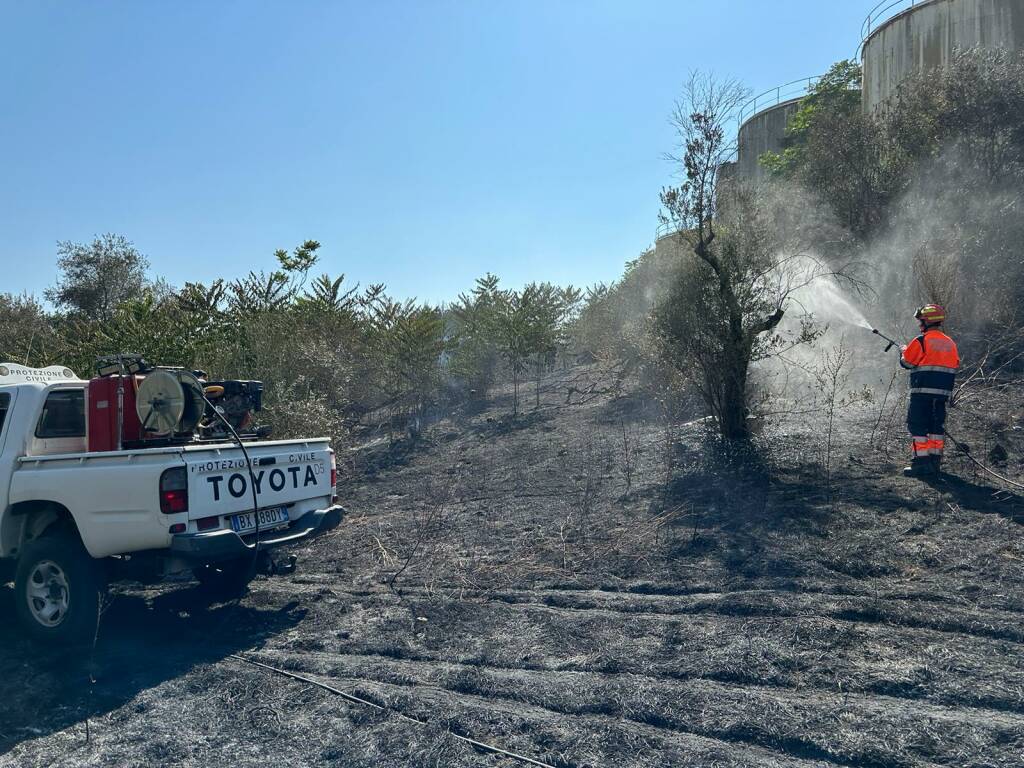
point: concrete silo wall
(925, 36)
(762, 133)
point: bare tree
(831, 379)
(723, 309)
(699, 119)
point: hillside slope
(541, 584)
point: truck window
(63, 414)
(5, 402)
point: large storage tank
(924, 35)
(763, 121)
(763, 132)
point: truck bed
(189, 449)
(115, 496)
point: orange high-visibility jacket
(932, 359)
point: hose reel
(168, 402)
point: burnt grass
(587, 587)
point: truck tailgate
(220, 483)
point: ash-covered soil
(586, 587)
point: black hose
(967, 452)
(357, 700)
(248, 464)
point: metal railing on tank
(881, 13)
(776, 96)
(667, 228)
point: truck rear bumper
(217, 546)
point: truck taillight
(174, 491)
(334, 478)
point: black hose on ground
(967, 452)
(357, 700)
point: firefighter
(932, 359)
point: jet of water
(823, 298)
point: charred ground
(589, 587)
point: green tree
(835, 149)
(405, 342)
(836, 94)
(95, 278)
(166, 331)
(475, 354)
(326, 295)
(513, 320)
(28, 335)
(549, 308)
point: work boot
(936, 465)
(920, 467)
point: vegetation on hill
(929, 191)
(330, 354)
(927, 195)
(933, 184)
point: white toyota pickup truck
(71, 520)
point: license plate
(268, 518)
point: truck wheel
(227, 579)
(57, 590)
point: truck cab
(71, 520)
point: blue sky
(422, 143)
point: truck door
(7, 462)
(6, 401)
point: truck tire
(227, 579)
(58, 587)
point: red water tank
(101, 413)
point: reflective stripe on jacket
(932, 359)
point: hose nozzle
(892, 343)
